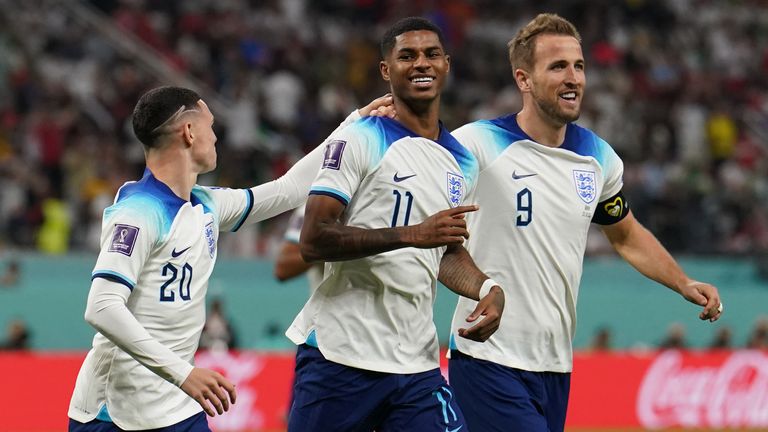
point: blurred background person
(601, 340)
(674, 338)
(218, 333)
(17, 336)
(723, 339)
(758, 338)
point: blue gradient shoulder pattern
(383, 131)
(500, 132)
(151, 199)
(504, 131)
(584, 142)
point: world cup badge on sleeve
(455, 189)
(586, 187)
(124, 239)
(210, 238)
(333, 153)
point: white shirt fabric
(375, 313)
(530, 234)
(147, 298)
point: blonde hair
(521, 48)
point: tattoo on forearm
(459, 273)
(336, 242)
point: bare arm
(643, 251)
(289, 263)
(459, 273)
(325, 238)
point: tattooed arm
(325, 238)
(459, 273)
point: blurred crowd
(676, 86)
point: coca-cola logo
(732, 394)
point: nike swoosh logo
(399, 179)
(516, 176)
(176, 254)
(454, 430)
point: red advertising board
(618, 390)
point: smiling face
(416, 66)
(557, 80)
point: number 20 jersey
(163, 249)
(530, 234)
(375, 313)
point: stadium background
(676, 86)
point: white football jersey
(375, 313)
(163, 249)
(530, 234)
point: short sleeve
(129, 232)
(231, 207)
(613, 172)
(346, 162)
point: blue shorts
(500, 398)
(196, 423)
(332, 397)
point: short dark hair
(156, 107)
(405, 25)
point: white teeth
(570, 95)
(422, 79)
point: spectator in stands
(218, 333)
(758, 339)
(17, 336)
(11, 275)
(723, 339)
(601, 341)
(674, 338)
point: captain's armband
(612, 210)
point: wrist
(485, 288)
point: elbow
(309, 253)
(91, 317)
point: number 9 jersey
(536, 205)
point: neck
(420, 117)
(174, 170)
(540, 128)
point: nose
(421, 61)
(572, 75)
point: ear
(384, 69)
(448, 62)
(523, 80)
(187, 134)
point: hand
(207, 388)
(380, 107)
(706, 295)
(491, 306)
(443, 228)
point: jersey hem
(296, 337)
(510, 361)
